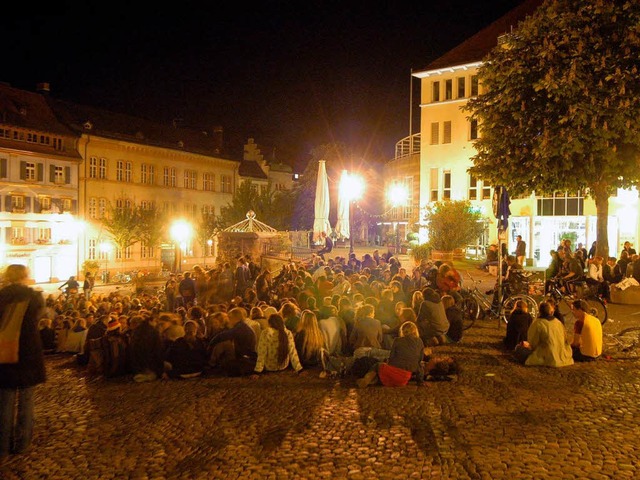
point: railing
(408, 146)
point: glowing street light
(351, 189)
(181, 232)
(208, 251)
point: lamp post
(180, 233)
(351, 187)
(398, 195)
(208, 251)
(105, 248)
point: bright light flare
(181, 231)
(351, 186)
(398, 195)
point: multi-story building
(38, 188)
(447, 83)
(64, 166)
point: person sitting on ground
(309, 340)
(277, 349)
(334, 331)
(146, 350)
(518, 325)
(449, 281)
(491, 258)
(587, 333)
(454, 315)
(187, 355)
(546, 344)
(234, 350)
(47, 336)
(367, 330)
(76, 337)
(95, 331)
(405, 361)
(432, 320)
(114, 348)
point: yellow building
(446, 84)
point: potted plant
(451, 225)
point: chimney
(43, 88)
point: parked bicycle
(583, 291)
(476, 304)
(123, 277)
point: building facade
(447, 147)
(38, 188)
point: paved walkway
(496, 420)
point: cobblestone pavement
(496, 420)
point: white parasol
(321, 221)
(344, 199)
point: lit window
(446, 185)
(103, 168)
(93, 167)
(435, 92)
(448, 89)
(434, 185)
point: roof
(477, 47)
(280, 167)
(29, 110)
(250, 168)
(250, 224)
(90, 120)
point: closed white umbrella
(321, 221)
(344, 198)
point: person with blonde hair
(309, 340)
(405, 360)
(21, 359)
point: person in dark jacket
(519, 322)
(433, 324)
(234, 350)
(454, 315)
(18, 380)
(146, 351)
(96, 330)
(186, 356)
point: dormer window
(88, 125)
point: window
(434, 185)
(448, 89)
(3, 166)
(91, 254)
(44, 235)
(446, 136)
(435, 133)
(473, 129)
(93, 167)
(561, 204)
(145, 252)
(435, 92)
(17, 202)
(473, 188)
(486, 191)
(169, 177)
(45, 203)
(446, 185)
(146, 205)
(225, 184)
(208, 182)
(102, 207)
(103, 169)
(66, 204)
(461, 87)
(147, 174)
(474, 85)
(30, 171)
(93, 207)
(190, 177)
(123, 171)
(58, 175)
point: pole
(350, 226)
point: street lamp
(398, 195)
(180, 233)
(208, 251)
(105, 248)
(351, 189)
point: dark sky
(292, 74)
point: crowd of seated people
(294, 319)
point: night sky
(291, 74)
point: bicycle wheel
(470, 310)
(598, 309)
(510, 301)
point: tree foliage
(453, 224)
(560, 104)
(123, 224)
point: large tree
(123, 224)
(561, 102)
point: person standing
(521, 250)
(87, 286)
(19, 375)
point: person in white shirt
(276, 348)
